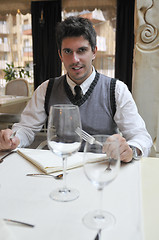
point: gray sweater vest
(95, 106)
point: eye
(82, 50)
(67, 51)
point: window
(15, 57)
(26, 43)
(15, 39)
(5, 56)
(5, 40)
(16, 43)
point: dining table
(12, 103)
(132, 198)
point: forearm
(32, 118)
(129, 122)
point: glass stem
(100, 190)
(64, 172)
(99, 214)
(99, 234)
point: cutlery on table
(98, 236)
(59, 176)
(87, 137)
(18, 222)
(6, 155)
(12, 135)
(109, 164)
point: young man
(76, 40)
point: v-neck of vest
(85, 96)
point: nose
(75, 57)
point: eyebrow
(66, 49)
(83, 47)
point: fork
(109, 164)
(12, 135)
(59, 176)
(87, 137)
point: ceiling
(11, 6)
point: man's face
(77, 56)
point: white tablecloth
(27, 199)
(150, 197)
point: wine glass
(63, 140)
(101, 166)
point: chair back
(18, 87)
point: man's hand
(126, 153)
(5, 142)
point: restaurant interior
(131, 45)
(128, 43)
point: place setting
(98, 165)
(64, 141)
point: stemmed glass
(63, 140)
(101, 166)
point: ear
(60, 55)
(94, 53)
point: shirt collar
(85, 85)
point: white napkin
(5, 232)
(48, 162)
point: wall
(146, 63)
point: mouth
(76, 68)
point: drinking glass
(63, 140)
(101, 166)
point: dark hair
(75, 27)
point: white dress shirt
(127, 118)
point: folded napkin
(5, 232)
(49, 162)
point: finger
(15, 142)
(112, 149)
(5, 142)
(126, 155)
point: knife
(18, 222)
(98, 236)
(6, 155)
